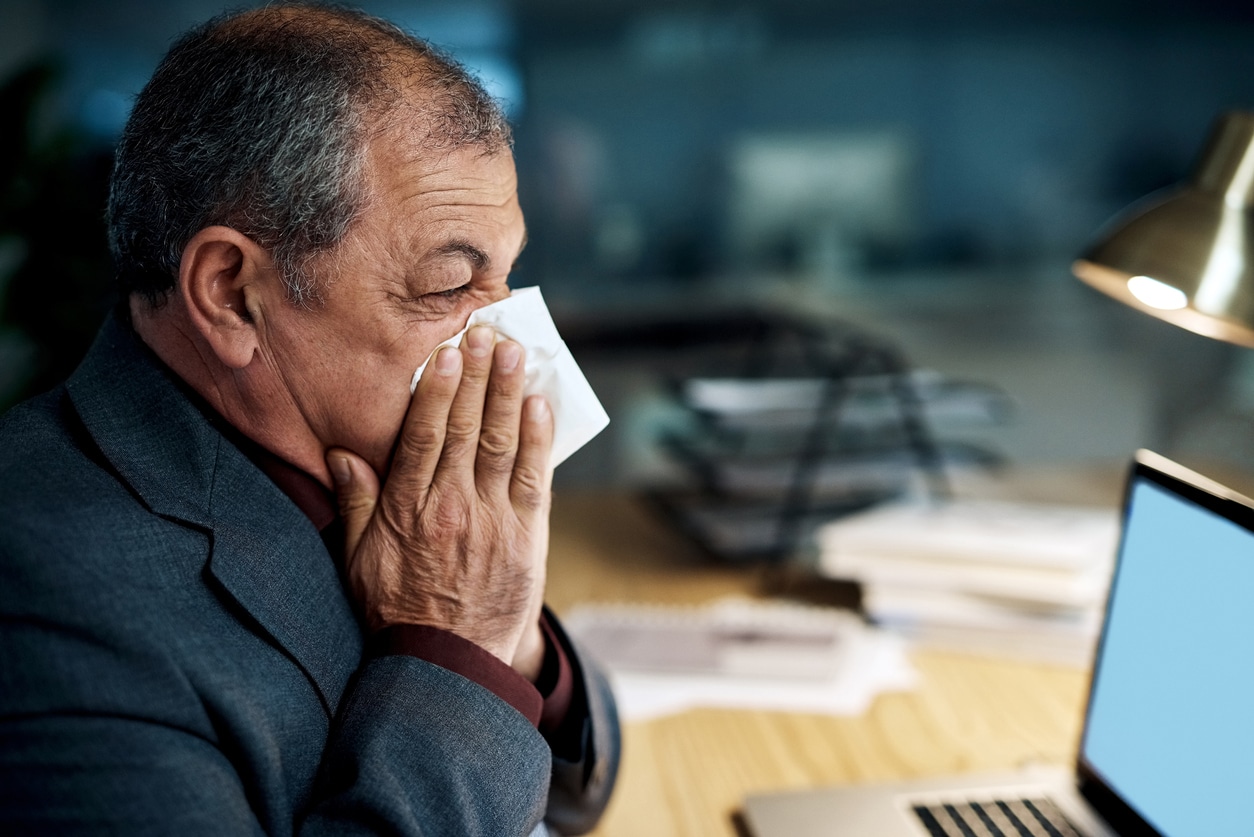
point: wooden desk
(686, 775)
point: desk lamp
(1183, 254)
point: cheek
(351, 380)
(373, 395)
(375, 389)
(366, 415)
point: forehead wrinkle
(454, 196)
(423, 168)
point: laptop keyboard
(1011, 818)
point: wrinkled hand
(458, 537)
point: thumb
(356, 492)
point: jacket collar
(146, 424)
(264, 551)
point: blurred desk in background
(687, 774)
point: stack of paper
(1018, 579)
(868, 400)
(740, 654)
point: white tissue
(550, 370)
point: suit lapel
(265, 553)
(270, 558)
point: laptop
(1168, 740)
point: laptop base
(888, 810)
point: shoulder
(37, 432)
(74, 538)
(55, 485)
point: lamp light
(1183, 254)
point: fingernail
(479, 340)
(446, 360)
(340, 471)
(537, 408)
(508, 354)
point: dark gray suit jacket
(178, 655)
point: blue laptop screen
(1171, 716)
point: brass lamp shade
(1183, 254)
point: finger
(502, 412)
(465, 416)
(422, 435)
(533, 476)
(356, 494)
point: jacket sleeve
(581, 786)
(420, 750)
(584, 739)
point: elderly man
(250, 585)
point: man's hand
(458, 537)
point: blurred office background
(923, 169)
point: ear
(222, 278)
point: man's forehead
(468, 174)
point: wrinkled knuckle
(461, 429)
(422, 440)
(529, 489)
(496, 449)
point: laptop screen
(1170, 726)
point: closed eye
(452, 293)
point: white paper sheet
(740, 654)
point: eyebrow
(478, 257)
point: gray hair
(259, 121)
